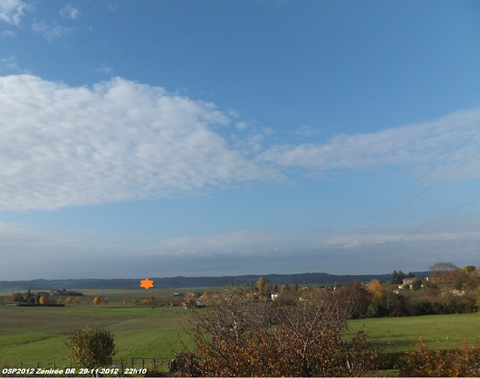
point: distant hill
(193, 282)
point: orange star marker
(146, 283)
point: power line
(414, 183)
(430, 223)
(441, 217)
(410, 186)
(415, 196)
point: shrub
(92, 347)
(426, 362)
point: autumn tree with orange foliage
(263, 286)
(190, 300)
(239, 336)
(97, 300)
(376, 288)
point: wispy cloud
(8, 33)
(449, 229)
(14, 235)
(51, 31)
(244, 243)
(53, 255)
(69, 12)
(105, 69)
(11, 11)
(10, 65)
(453, 239)
(118, 141)
(306, 131)
(419, 146)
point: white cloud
(69, 12)
(449, 230)
(118, 141)
(11, 64)
(420, 146)
(51, 31)
(53, 255)
(241, 125)
(306, 131)
(11, 11)
(29, 239)
(8, 33)
(240, 243)
(105, 69)
(449, 237)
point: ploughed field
(35, 336)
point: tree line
(244, 331)
(447, 289)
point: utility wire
(415, 196)
(441, 217)
(429, 223)
(414, 183)
(409, 187)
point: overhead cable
(409, 187)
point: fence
(152, 363)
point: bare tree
(444, 274)
(240, 336)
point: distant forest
(195, 282)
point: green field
(31, 336)
(401, 334)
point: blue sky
(163, 138)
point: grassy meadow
(402, 334)
(31, 336)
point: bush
(92, 347)
(415, 303)
(426, 362)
